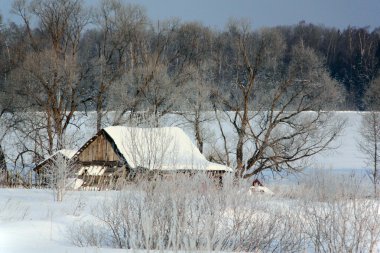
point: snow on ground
(30, 221)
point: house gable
(99, 150)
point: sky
(261, 13)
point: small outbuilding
(42, 168)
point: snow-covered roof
(68, 153)
(166, 148)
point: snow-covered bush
(323, 185)
(348, 224)
(193, 213)
(85, 234)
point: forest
(117, 46)
(65, 58)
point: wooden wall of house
(99, 150)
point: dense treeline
(119, 42)
(65, 58)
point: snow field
(30, 221)
(183, 215)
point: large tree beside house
(273, 131)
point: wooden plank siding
(99, 150)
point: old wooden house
(120, 153)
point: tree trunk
(3, 164)
(239, 154)
(375, 126)
(99, 111)
(3, 167)
(198, 134)
(241, 135)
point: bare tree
(221, 152)
(197, 91)
(148, 89)
(270, 100)
(150, 86)
(9, 108)
(50, 74)
(369, 144)
(369, 140)
(122, 29)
